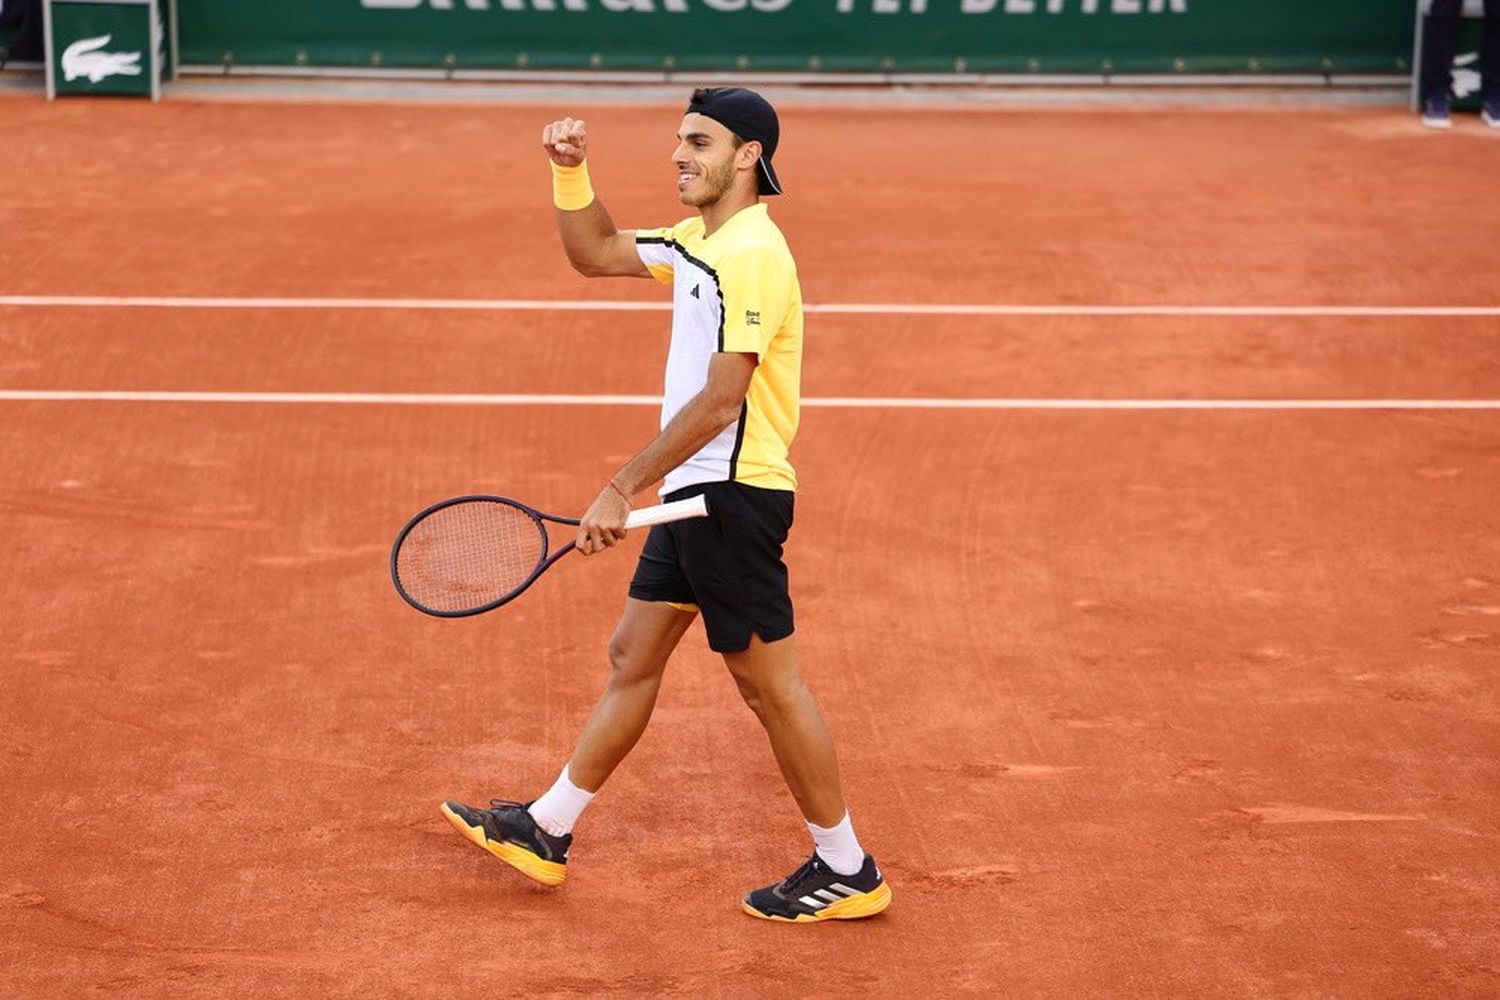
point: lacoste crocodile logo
(83, 58)
(1466, 80)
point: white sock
(838, 847)
(560, 806)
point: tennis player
(729, 414)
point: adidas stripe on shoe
(508, 832)
(817, 892)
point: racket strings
(468, 555)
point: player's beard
(716, 182)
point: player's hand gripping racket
(472, 554)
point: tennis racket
(471, 554)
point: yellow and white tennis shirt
(734, 291)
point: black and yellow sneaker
(817, 892)
(508, 832)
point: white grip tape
(677, 510)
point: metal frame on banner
(771, 77)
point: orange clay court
(1129, 702)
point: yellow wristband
(571, 189)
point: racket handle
(677, 510)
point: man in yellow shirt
(729, 413)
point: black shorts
(728, 563)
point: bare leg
(772, 686)
(645, 637)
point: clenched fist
(566, 141)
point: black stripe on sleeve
(702, 266)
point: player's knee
(750, 693)
(774, 698)
(628, 664)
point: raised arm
(594, 246)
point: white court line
(842, 402)
(847, 308)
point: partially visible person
(26, 17)
(1439, 43)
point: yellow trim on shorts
(691, 609)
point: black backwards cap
(747, 115)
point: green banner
(103, 47)
(900, 36)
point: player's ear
(749, 153)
